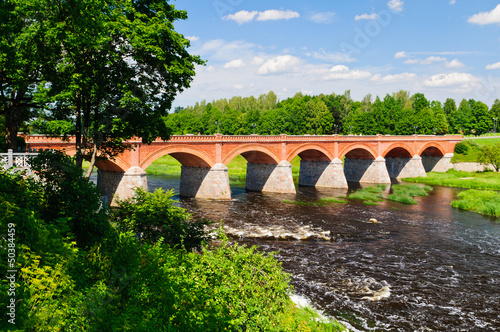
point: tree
(19, 67)
(490, 155)
(120, 64)
(449, 107)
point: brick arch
(253, 153)
(186, 155)
(436, 149)
(311, 152)
(397, 150)
(368, 152)
(116, 165)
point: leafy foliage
(155, 216)
(490, 155)
(461, 148)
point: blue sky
(442, 48)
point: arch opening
(359, 153)
(398, 153)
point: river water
(425, 267)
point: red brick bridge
(326, 161)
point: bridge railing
(18, 160)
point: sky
(442, 48)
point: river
(425, 267)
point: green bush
(461, 148)
(154, 216)
(71, 201)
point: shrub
(154, 216)
(71, 201)
(461, 148)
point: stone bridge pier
(270, 178)
(205, 182)
(117, 185)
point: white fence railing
(16, 160)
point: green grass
(369, 194)
(404, 193)
(474, 146)
(310, 320)
(485, 202)
(460, 179)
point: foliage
(119, 283)
(70, 202)
(490, 155)
(461, 148)
(111, 69)
(155, 216)
(485, 202)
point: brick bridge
(368, 159)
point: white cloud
(486, 17)
(366, 16)
(400, 55)
(241, 17)
(455, 63)
(393, 78)
(279, 64)
(322, 18)
(341, 72)
(452, 2)
(331, 56)
(238, 63)
(444, 80)
(245, 16)
(396, 5)
(192, 38)
(493, 66)
(273, 14)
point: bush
(71, 201)
(461, 148)
(154, 216)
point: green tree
(120, 65)
(490, 155)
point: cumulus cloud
(444, 80)
(273, 15)
(366, 16)
(192, 38)
(396, 5)
(400, 55)
(486, 17)
(245, 16)
(493, 66)
(279, 64)
(455, 63)
(322, 18)
(393, 78)
(341, 72)
(238, 63)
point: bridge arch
(186, 155)
(357, 151)
(254, 154)
(115, 165)
(398, 150)
(311, 152)
(433, 149)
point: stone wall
(366, 170)
(471, 167)
(204, 182)
(270, 178)
(322, 174)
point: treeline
(396, 114)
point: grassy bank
(485, 202)
(459, 179)
(473, 147)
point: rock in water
(373, 221)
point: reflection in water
(425, 267)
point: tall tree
(120, 66)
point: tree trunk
(92, 161)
